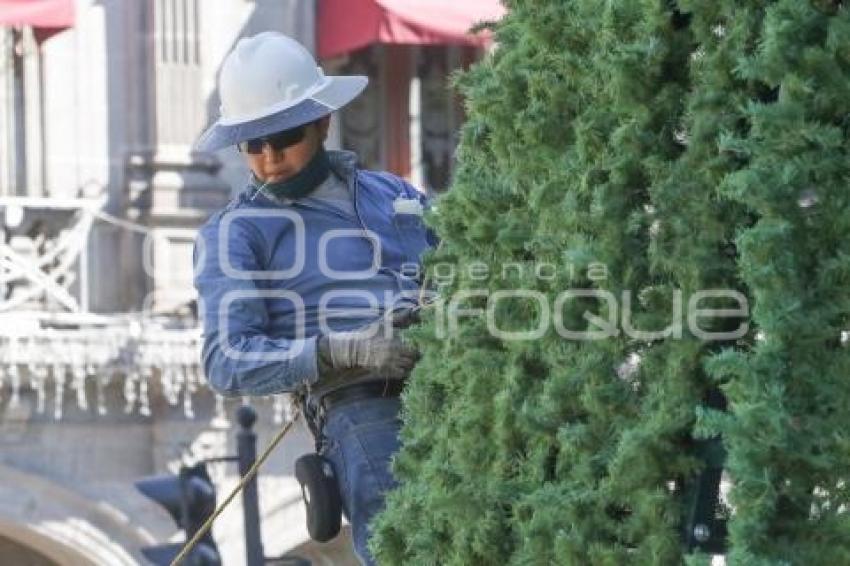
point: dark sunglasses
(277, 141)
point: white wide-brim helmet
(269, 83)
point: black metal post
(246, 448)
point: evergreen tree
(786, 429)
(649, 149)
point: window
(407, 119)
(179, 107)
(21, 110)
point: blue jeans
(361, 438)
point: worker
(306, 276)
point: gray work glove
(370, 349)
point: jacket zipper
(357, 210)
(362, 225)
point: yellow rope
(245, 479)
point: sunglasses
(277, 141)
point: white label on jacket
(403, 205)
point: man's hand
(387, 357)
(377, 348)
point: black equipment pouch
(319, 487)
(320, 491)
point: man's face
(273, 166)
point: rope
(187, 548)
(126, 224)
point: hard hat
(269, 83)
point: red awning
(346, 25)
(52, 15)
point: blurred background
(100, 197)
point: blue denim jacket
(264, 289)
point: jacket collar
(344, 163)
